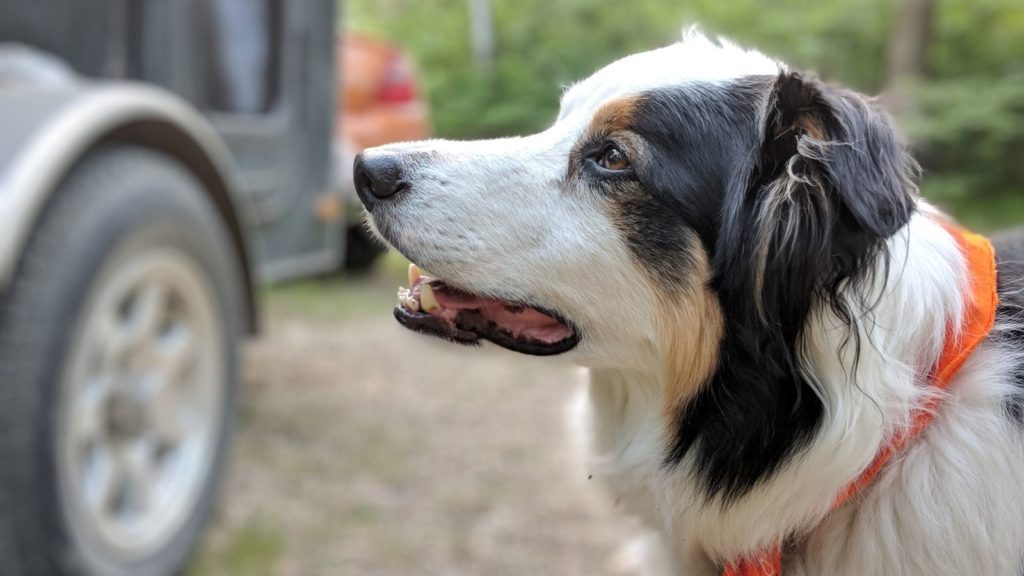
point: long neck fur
(901, 338)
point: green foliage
(969, 129)
(973, 126)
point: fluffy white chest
(623, 436)
(622, 441)
(950, 502)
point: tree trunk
(481, 33)
(907, 59)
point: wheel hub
(140, 403)
(125, 417)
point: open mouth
(431, 306)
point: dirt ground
(364, 449)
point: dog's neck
(900, 338)
(627, 439)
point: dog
(739, 254)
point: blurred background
(182, 268)
(952, 71)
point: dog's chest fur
(965, 471)
(625, 443)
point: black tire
(117, 199)
(361, 250)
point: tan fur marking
(614, 116)
(690, 329)
(811, 125)
(690, 324)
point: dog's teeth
(414, 274)
(406, 299)
(428, 301)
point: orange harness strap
(979, 317)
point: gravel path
(364, 449)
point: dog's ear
(804, 226)
(845, 145)
(830, 184)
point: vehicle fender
(45, 130)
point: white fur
(494, 217)
(971, 460)
(695, 59)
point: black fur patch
(719, 153)
(1010, 314)
(656, 237)
(694, 139)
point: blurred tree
(908, 53)
(968, 121)
(481, 18)
(965, 114)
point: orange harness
(979, 316)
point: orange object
(979, 317)
(380, 99)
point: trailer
(158, 161)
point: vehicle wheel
(118, 363)
(361, 250)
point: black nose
(378, 177)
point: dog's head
(691, 205)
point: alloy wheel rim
(140, 404)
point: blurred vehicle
(158, 160)
(378, 101)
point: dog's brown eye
(613, 159)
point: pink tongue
(528, 323)
(518, 321)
